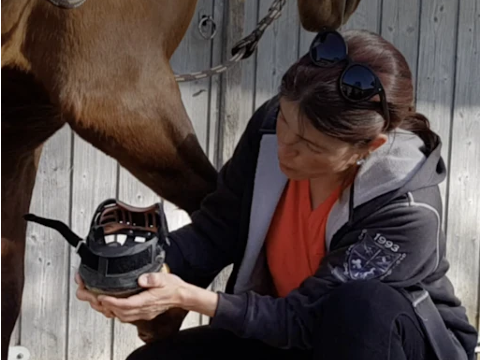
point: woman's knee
(367, 292)
(136, 355)
(362, 318)
(364, 302)
(201, 342)
(168, 349)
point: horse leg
(16, 195)
(12, 288)
(125, 103)
(27, 121)
(148, 131)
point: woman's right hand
(84, 295)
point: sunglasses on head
(358, 82)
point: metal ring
(67, 4)
(204, 21)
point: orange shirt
(295, 243)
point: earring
(360, 162)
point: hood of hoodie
(400, 166)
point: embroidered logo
(371, 258)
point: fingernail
(145, 279)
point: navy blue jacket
(388, 221)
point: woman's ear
(373, 145)
(356, 157)
(377, 142)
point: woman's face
(306, 153)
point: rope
(242, 49)
(67, 4)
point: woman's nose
(286, 142)
(286, 150)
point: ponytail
(420, 125)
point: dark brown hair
(315, 90)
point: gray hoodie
(386, 226)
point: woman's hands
(163, 291)
(85, 295)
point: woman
(330, 212)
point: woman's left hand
(163, 291)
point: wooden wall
(441, 41)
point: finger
(78, 280)
(128, 319)
(108, 314)
(152, 280)
(132, 302)
(147, 313)
(86, 295)
(132, 318)
(98, 308)
(123, 312)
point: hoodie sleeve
(398, 245)
(201, 249)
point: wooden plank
(463, 229)
(367, 16)
(177, 218)
(436, 68)
(278, 50)
(235, 100)
(19, 352)
(238, 82)
(94, 180)
(15, 337)
(132, 192)
(215, 97)
(45, 298)
(211, 147)
(305, 39)
(218, 54)
(193, 54)
(400, 26)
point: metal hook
(205, 21)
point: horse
(64, 67)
